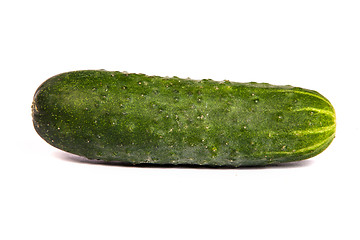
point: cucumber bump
(136, 119)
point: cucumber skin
(140, 119)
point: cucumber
(138, 119)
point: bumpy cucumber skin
(136, 119)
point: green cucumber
(140, 119)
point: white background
(48, 194)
